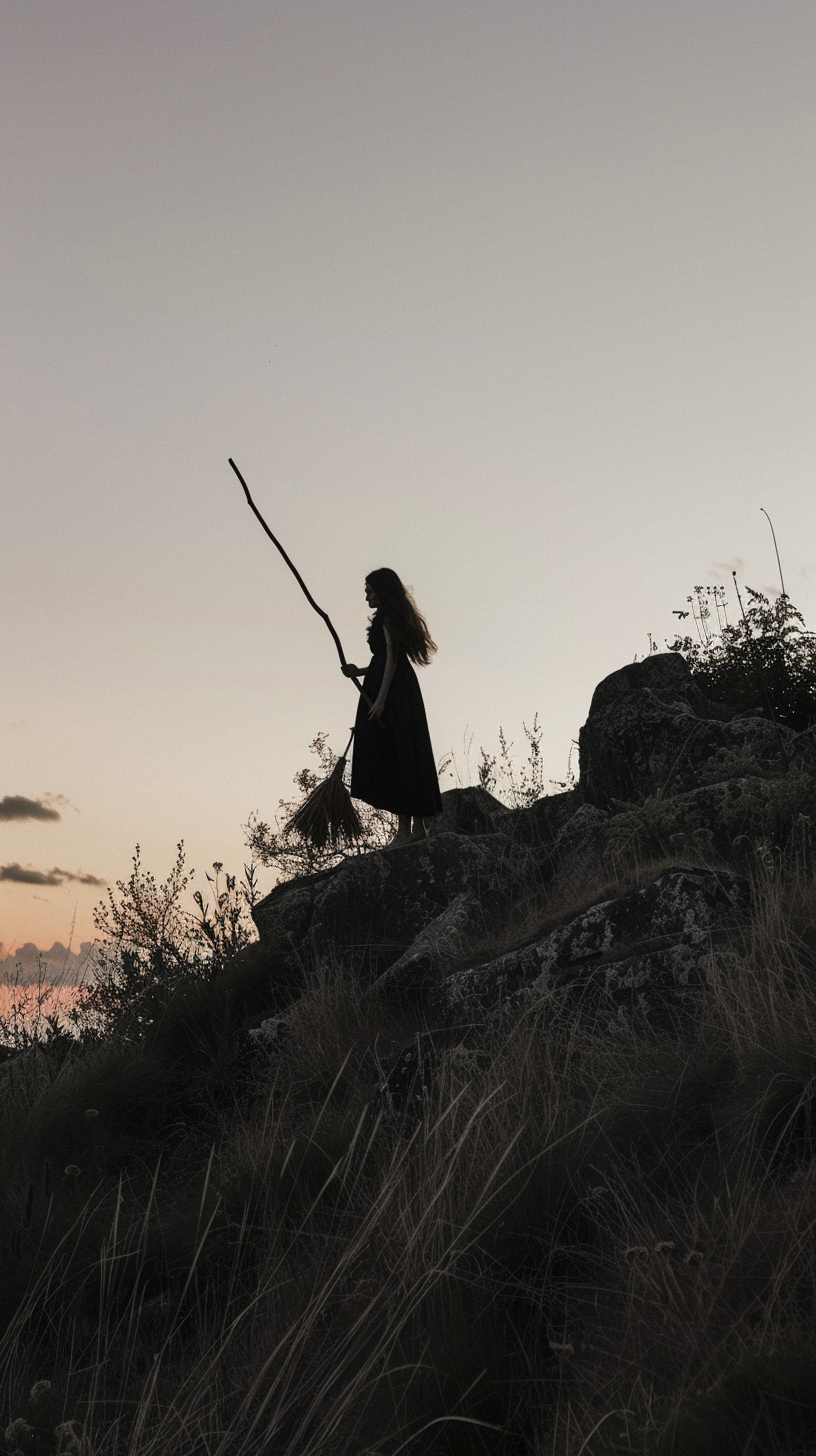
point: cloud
(17, 806)
(80, 879)
(20, 876)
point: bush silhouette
(765, 661)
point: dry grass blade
(328, 815)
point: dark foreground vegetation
(220, 1236)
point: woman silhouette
(393, 765)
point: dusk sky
(516, 298)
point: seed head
(19, 1430)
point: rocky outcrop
(474, 811)
(469, 811)
(651, 733)
(423, 908)
(643, 958)
(554, 900)
(645, 953)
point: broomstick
(328, 814)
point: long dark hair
(405, 622)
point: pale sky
(516, 298)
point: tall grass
(574, 1244)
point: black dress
(393, 765)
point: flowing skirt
(392, 764)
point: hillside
(500, 1142)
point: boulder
(474, 811)
(645, 953)
(709, 822)
(468, 811)
(540, 824)
(651, 733)
(442, 900)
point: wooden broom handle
(310, 599)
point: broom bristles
(328, 815)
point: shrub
(521, 786)
(766, 660)
(151, 948)
(516, 785)
(291, 855)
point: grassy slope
(580, 1246)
